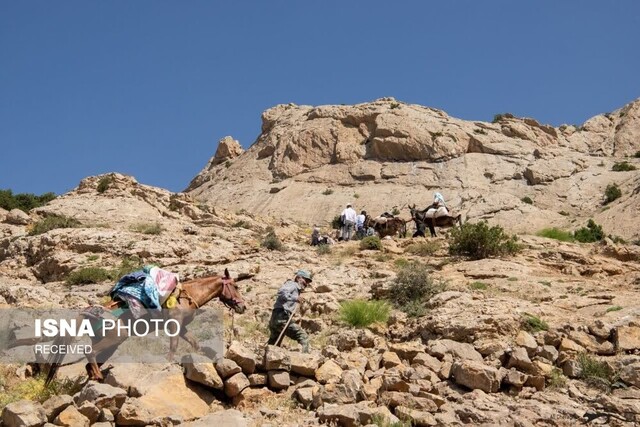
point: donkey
(193, 295)
(390, 227)
(420, 218)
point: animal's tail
(54, 361)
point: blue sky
(147, 88)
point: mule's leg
(188, 337)
(432, 228)
(103, 349)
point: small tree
(611, 193)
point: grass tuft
(362, 313)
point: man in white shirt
(348, 222)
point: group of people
(353, 224)
(289, 295)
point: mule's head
(230, 295)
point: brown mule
(421, 220)
(392, 226)
(194, 294)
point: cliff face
(309, 162)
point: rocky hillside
(547, 337)
(308, 162)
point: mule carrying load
(386, 225)
(433, 217)
(142, 295)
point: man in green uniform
(286, 299)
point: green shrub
(425, 248)
(637, 155)
(617, 239)
(591, 233)
(623, 167)
(85, 276)
(154, 229)
(564, 213)
(327, 192)
(413, 288)
(241, 224)
(104, 183)
(336, 222)
(126, 266)
(478, 286)
(611, 193)
(323, 249)
(34, 389)
(395, 211)
(400, 262)
(557, 379)
(557, 234)
(23, 201)
(595, 372)
(533, 323)
(361, 313)
(479, 241)
(527, 200)
(371, 243)
(614, 308)
(52, 222)
(272, 242)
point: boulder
(305, 364)
(89, 410)
(276, 358)
(101, 395)
(23, 413)
(227, 368)
(477, 375)
(17, 217)
(244, 357)
(56, 404)
(459, 350)
(328, 373)
(200, 369)
(627, 338)
(235, 384)
(71, 417)
(279, 380)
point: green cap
(304, 274)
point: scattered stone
(56, 404)
(328, 373)
(570, 346)
(548, 352)
(279, 380)
(235, 384)
(226, 418)
(227, 368)
(199, 369)
(305, 364)
(101, 395)
(276, 358)
(519, 359)
(407, 350)
(90, 411)
(417, 418)
(244, 357)
(71, 417)
(394, 399)
(257, 379)
(477, 375)
(527, 341)
(390, 359)
(459, 350)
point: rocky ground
(510, 342)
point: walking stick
(286, 325)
